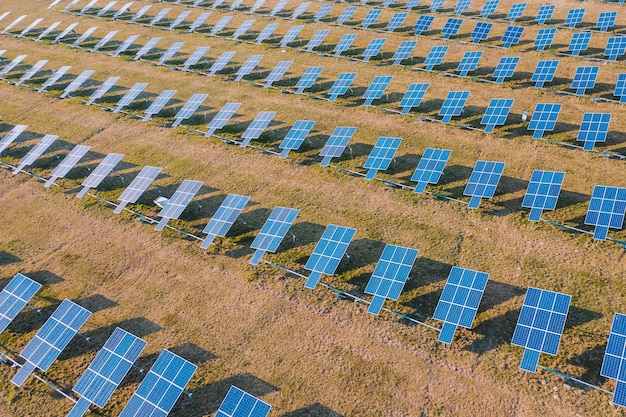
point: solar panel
(67, 164)
(512, 35)
(106, 371)
(195, 57)
(453, 105)
(54, 336)
(30, 27)
(296, 135)
(540, 325)
(606, 210)
(620, 87)
(102, 90)
(199, 22)
(291, 35)
(54, 78)
(328, 253)
(411, 4)
(430, 168)
(542, 192)
(614, 358)
(248, 66)
(218, 3)
(137, 187)
(256, 128)
(435, 5)
(14, 298)
(87, 7)
(222, 117)
(84, 36)
(125, 45)
(32, 71)
(224, 218)
(376, 89)
(238, 403)
(104, 40)
(267, 31)
(178, 202)
(373, 48)
(469, 62)
(391, 273)
(158, 104)
(11, 65)
(243, 28)
(221, 62)
(54, 3)
(159, 16)
(78, 81)
(459, 301)
(122, 10)
(579, 42)
(47, 31)
(396, 21)
(277, 72)
(505, 68)
(346, 15)
(189, 108)
(257, 5)
(317, 39)
(496, 113)
(336, 143)
(171, 51)
(64, 32)
(481, 31)
(403, 52)
(371, 17)
(593, 129)
(545, 13)
(278, 7)
(69, 6)
(13, 24)
(413, 96)
(130, 96)
(322, 12)
(614, 48)
(388, 3)
(273, 232)
(182, 16)
(544, 73)
(341, 85)
(483, 181)
(344, 43)
(221, 24)
(381, 155)
(140, 13)
(574, 17)
(10, 137)
(606, 20)
(146, 48)
(489, 8)
(35, 152)
(99, 173)
(584, 79)
(435, 56)
(451, 27)
(160, 389)
(299, 11)
(423, 24)
(106, 8)
(461, 6)
(516, 11)
(544, 118)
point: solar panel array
(606, 210)
(483, 181)
(103, 169)
(137, 187)
(178, 202)
(67, 164)
(328, 252)
(14, 297)
(273, 232)
(336, 143)
(35, 152)
(542, 192)
(615, 357)
(256, 128)
(224, 218)
(381, 155)
(296, 135)
(239, 403)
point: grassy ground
(305, 352)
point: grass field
(306, 352)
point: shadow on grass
(7, 258)
(95, 303)
(313, 410)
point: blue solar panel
(107, 370)
(222, 117)
(544, 38)
(248, 66)
(593, 129)
(505, 68)
(544, 118)
(296, 135)
(615, 358)
(265, 34)
(273, 232)
(277, 73)
(544, 13)
(411, 4)
(371, 17)
(341, 85)
(344, 43)
(224, 218)
(516, 11)
(620, 87)
(483, 181)
(376, 89)
(14, 298)
(540, 325)
(481, 31)
(328, 253)
(436, 4)
(579, 42)
(423, 24)
(336, 143)
(239, 403)
(542, 192)
(308, 78)
(54, 336)
(242, 29)
(403, 52)
(178, 202)
(322, 12)
(489, 8)
(459, 301)
(615, 47)
(512, 35)
(451, 27)
(317, 39)
(413, 96)
(544, 73)
(584, 79)
(346, 15)
(453, 105)
(496, 113)
(373, 48)
(435, 56)
(606, 210)
(606, 20)
(396, 21)
(390, 275)
(257, 126)
(430, 168)
(381, 155)
(160, 389)
(574, 17)
(469, 62)
(291, 34)
(461, 6)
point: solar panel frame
(171, 51)
(199, 22)
(317, 39)
(137, 187)
(376, 89)
(102, 90)
(67, 164)
(224, 217)
(341, 85)
(404, 51)
(512, 35)
(370, 18)
(436, 5)
(178, 202)
(54, 78)
(411, 4)
(32, 71)
(542, 192)
(606, 20)
(35, 152)
(221, 62)
(266, 33)
(430, 168)
(140, 13)
(257, 126)
(483, 181)
(606, 210)
(243, 28)
(220, 25)
(435, 56)
(516, 11)
(296, 135)
(461, 6)
(147, 47)
(481, 31)
(14, 297)
(545, 13)
(614, 358)
(125, 45)
(593, 129)
(328, 253)
(585, 79)
(381, 155)
(489, 8)
(373, 48)
(423, 24)
(323, 11)
(413, 96)
(453, 105)
(10, 137)
(130, 96)
(579, 42)
(505, 68)
(291, 35)
(299, 11)
(469, 62)
(574, 17)
(248, 66)
(496, 114)
(195, 57)
(451, 27)
(189, 108)
(344, 43)
(239, 403)
(69, 6)
(222, 117)
(273, 232)
(87, 7)
(396, 21)
(277, 72)
(256, 6)
(278, 7)
(103, 169)
(544, 72)
(615, 47)
(157, 105)
(346, 14)
(336, 143)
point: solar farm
(251, 208)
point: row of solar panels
(542, 318)
(156, 394)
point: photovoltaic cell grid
(390, 275)
(279, 7)
(544, 118)
(579, 42)
(453, 105)
(615, 358)
(125, 45)
(182, 16)
(256, 6)
(584, 79)
(106, 371)
(496, 113)
(222, 117)
(67, 164)
(11, 65)
(178, 202)
(469, 62)
(544, 73)
(606, 210)
(505, 68)
(512, 35)
(381, 155)
(146, 48)
(376, 89)
(171, 51)
(137, 187)
(296, 135)
(336, 143)
(159, 16)
(189, 108)
(99, 174)
(47, 31)
(481, 31)
(606, 20)
(544, 38)
(130, 96)
(346, 15)
(140, 13)
(542, 192)
(489, 8)
(14, 298)
(462, 5)
(614, 48)
(243, 28)
(574, 17)
(620, 87)
(423, 24)
(396, 21)
(257, 126)
(273, 232)
(299, 11)
(341, 85)
(54, 336)
(224, 218)
(344, 43)
(248, 66)
(78, 81)
(430, 168)
(221, 24)
(199, 21)
(459, 301)
(373, 48)
(267, 31)
(291, 34)
(221, 62)
(451, 27)
(158, 104)
(239, 403)
(64, 32)
(371, 17)
(160, 389)
(32, 71)
(10, 137)
(102, 42)
(277, 72)
(84, 36)
(593, 129)
(483, 181)
(35, 152)
(540, 325)
(516, 11)
(403, 52)
(436, 4)
(328, 253)
(545, 13)
(435, 56)
(323, 11)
